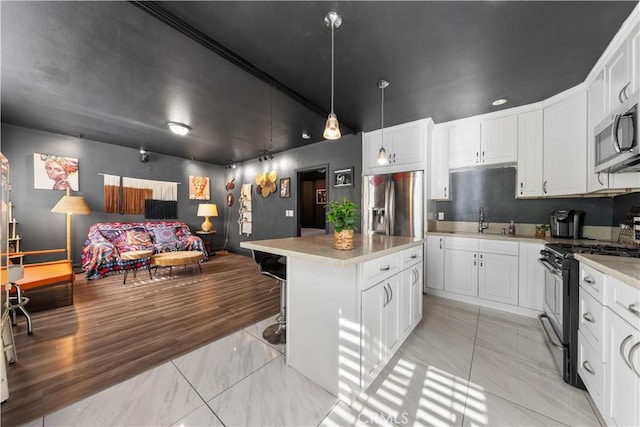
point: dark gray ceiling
(116, 72)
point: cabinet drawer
(592, 281)
(411, 256)
(591, 321)
(499, 247)
(624, 300)
(380, 268)
(591, 370)
(461, 243)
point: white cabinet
(618, 77)
(622, 372)
(411, 290)
(597, 104)
(435, 263)
(634, 48)
(380, 326)
(480, 267)
(461, 272)
(564, 151)
(530, 143)
(488, 142)
(439, 161)
(464, 145)
(499, 140)
(404, 144)
(530, 276)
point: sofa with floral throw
(107, 240)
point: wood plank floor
(114, 331)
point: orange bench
(35, 276)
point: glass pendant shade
(332, 128)
(382, 156)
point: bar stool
(269, 265)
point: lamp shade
(332, 128)
(207, 209)
(72, 205)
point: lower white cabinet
(461, 272)
(380, 321)
(530, 276)
(410, 298)
(435, 263)
(498, 277)
(622, 388)
(489, 272)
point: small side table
(136, 255)
(207, 238)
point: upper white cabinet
(405, 146)
(565, 142)
(597, 102)
(440, 187)
(499, 140)
(530, 143)
(634, 48)
(618, 78)
(480, 143)
(464, 145)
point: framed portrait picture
(198, 187)
(51, 172)
(321, 196)
(343, 177)
(285, 190)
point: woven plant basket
(343, 240)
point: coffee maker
(566, 223)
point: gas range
(566, 250)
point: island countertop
(320, 248)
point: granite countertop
(320, 248)
(526, 238)
(624, 269)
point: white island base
(348, 311)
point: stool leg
(277, 333)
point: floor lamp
(71, 205)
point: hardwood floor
(115, 331)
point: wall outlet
(288, 212)
(440, 216)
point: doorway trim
(298, 212)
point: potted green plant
(344, 215)
(541, 230)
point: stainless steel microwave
(616, 139)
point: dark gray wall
(269, 220)
(495, 189)
(42, 229)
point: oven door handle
(546, 332)
(551, 268)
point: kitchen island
(348, 311)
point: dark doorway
(312, 198)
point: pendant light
(333, 21)
(382, 154)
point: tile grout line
(199, 395)
(473, 352)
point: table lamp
(206, 210)
(71, 205)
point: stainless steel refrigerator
(393, 204)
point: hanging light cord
(271, 123)
(333, 24)
(382, 121)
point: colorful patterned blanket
(107, 240)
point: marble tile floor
(462, 365)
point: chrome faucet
(481, 224)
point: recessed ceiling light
(178, 128)
(499, 102)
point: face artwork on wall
(198, 188)
(51, 172)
